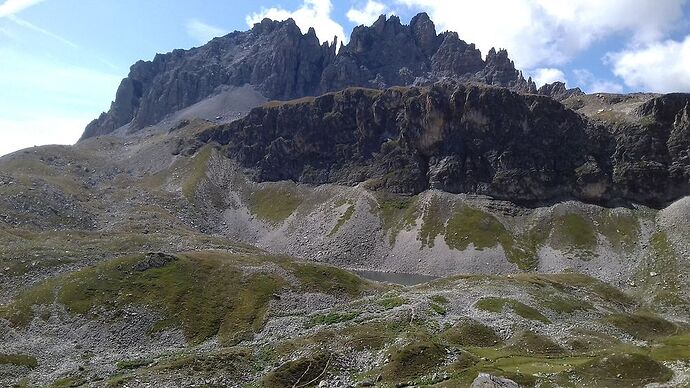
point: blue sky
(61, 60)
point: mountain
(466, 139)
(282, 63)
(267, 211)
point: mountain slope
(201, 235)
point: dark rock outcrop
(463, 139)
(154, 260)
(558, 91)
(282, 63)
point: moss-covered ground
(274, 204)
(204, 293)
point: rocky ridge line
(282, 63)
(465, 139)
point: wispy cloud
(368, 14)
(592, 84)
(11, 7)
(312, 13)
(21, 22)
(203, 32)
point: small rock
(485, 380)
(653, 274)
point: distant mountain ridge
(282, 63)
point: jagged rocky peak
(274, 57)
(280, 62)
(558, 91)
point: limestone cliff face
(464, 139)
(282, 63)
(275, 57)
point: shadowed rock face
(463, 139)
(282, 63)
(275, 57)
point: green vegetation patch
(413, 360)
(574, 231)
(343, 219)
(273, 204)
(496, 305)
(675, 347)
(641, 326)
(437, 308)
(622, 230)
(198, 165)
(21, 311)
(303, 372)
(133, 364)
(463, 361)
(397, 213)
(18, 360)
(433, 223)
(374, 335)
(620, 370)
(230, 362)
(469, 332)
(68, 382)
(564, 304)
(585, 341)
(531, 343)
(327, 279)
(471, 226)
(203, 293)
(332, 318)
(664, 289)
(392, 302)
(571, 282)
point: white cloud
(544, 33)
(367, 15)
(312, 13)
(589, 83)
(547, 75)
(203, 32)
(18, 134)
(11, 7)
(658, 67)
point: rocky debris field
(123, 272)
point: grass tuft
(18, 360)
(496, 305)
(469, 332)
(332, 318)
(641, 326)
(391, 302)
(413, 360)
